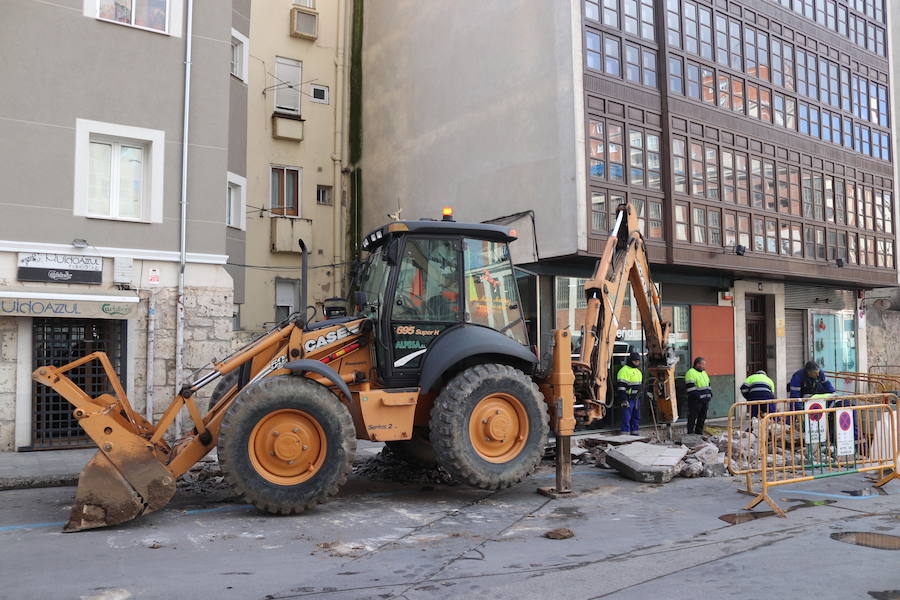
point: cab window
(491, 294)
(428, 282)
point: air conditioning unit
(304, 23)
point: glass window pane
(150, 14)
(99, 178)
(115, 10)
(131, 181)
(491, 292)
(428, 282)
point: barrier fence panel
(849, 436)
(743, 454)
(851, 382)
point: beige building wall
(314, 145)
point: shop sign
(59, 268)
(41, 307)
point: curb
(26, 482)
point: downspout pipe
(337, 156)
(182, 258)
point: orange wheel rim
(287, 447)
(498, 428)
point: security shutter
(795, 338)
(808, 296)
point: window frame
(279, 86)
(244, 46)
(174, 18)
(233, 180)
(274, 209)
(312, 96)
(153, 141)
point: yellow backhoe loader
(434, 357)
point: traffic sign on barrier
(843, 430)
(815, 430)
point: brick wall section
(8, 338)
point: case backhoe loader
(435, 355)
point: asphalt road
(385, 540)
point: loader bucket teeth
(107, 496)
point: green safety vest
(629, 380)
(760, 378)
(700, 379)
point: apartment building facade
(754, 139)
(113, 233)
(296, 148)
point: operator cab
(424, 278)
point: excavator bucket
(110, 493)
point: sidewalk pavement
(51, 468)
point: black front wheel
(489, 426)
(286, 444)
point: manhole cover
(881, 541)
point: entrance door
(60, 341)
(755, 317)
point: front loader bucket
(110, 493)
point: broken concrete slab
(647, 463)
(615, 439)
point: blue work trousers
(631, 415)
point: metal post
(564, 464)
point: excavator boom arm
(625, 261)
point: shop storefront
(56, 327)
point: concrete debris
(705, 452)
(646, 463)
(616, 439)
(561, 533)
(692, 440)
(714, 470)
(691, 467)
(388, 466)
(203, 478)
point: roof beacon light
(448, 213)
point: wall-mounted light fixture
(839, 262)
(739, 250)
(79, 243)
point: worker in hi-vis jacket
(696, 384)
(808, 381)
(628, 393)
(759, 386)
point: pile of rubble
(391, 466)
(204, 478)
(695, 456)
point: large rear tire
(286, 444)
(489, 426)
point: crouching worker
(759, 387)
(696, 382)
(628, 393)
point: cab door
(425, 302)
